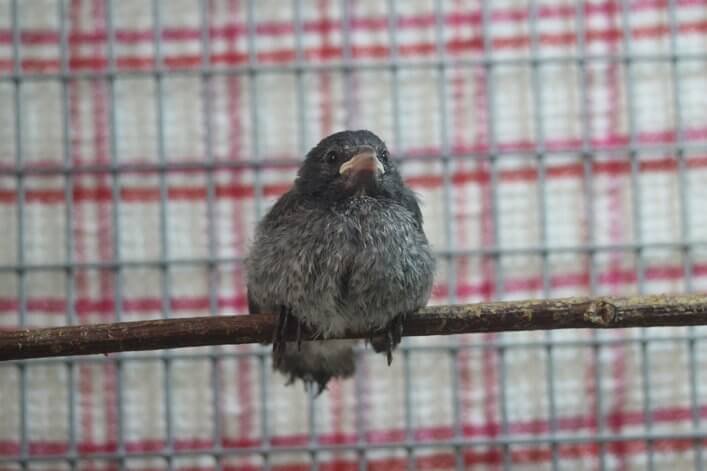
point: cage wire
(559, 148)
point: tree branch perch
(570, 313)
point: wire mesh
(558, 148)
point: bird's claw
(390, 339)
(279, 343)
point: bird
(343, 249)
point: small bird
(343, 249)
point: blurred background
(559, 148)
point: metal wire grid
(500, 344)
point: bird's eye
(330, 156)
(384, 154)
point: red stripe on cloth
(232, 31)
(85, 380)
(319, 26)
(619, 397)
(86, 305)
(673, 415)
(133, 194)
(325, 86)
(238, 190)
(610, 142)
(446, 460)
(105, 240)
(617, 228)
(534, 427)
(328, 53)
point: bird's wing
(282, 207)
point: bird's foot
(279, 343)
(391, 337)
(278, 339)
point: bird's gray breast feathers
(354, 266)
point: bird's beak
(365, 161)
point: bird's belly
(374, 279)
(387, 281)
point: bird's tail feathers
(317, 361)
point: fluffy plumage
(343, 249)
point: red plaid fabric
(587, 190)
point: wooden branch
(570, 313)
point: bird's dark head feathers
(348, 163)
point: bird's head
(346, 164)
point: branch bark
(570, 313)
